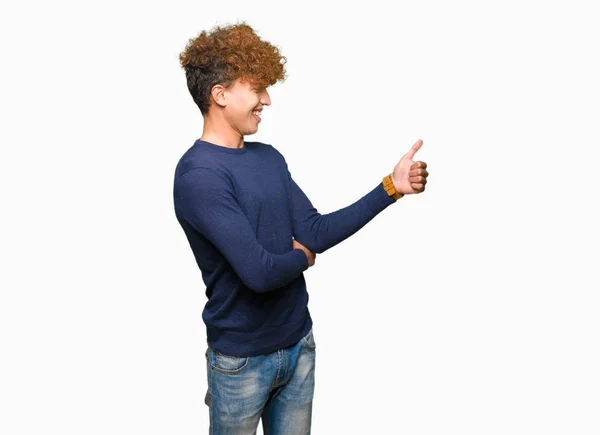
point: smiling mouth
(256, 115)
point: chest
(262, 188)
(263, 195)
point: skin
(230, 118)
(230, 115)
(410, 177)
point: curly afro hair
(225, 54)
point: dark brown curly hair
(225, 54)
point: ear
(218, 95)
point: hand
(410, 177)
(309, 254)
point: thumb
(414, 149)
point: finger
(414, 149)
(417, 186)
(417, 165)
(418, 179)
(418, 171)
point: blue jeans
(278, 387)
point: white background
(471, 308)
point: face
(245, 102)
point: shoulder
(197, 167)
(268, 149)
(202, 180)
(198, 161)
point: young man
(253, 233)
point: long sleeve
(319, 232)
(206, 200)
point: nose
(265, 99)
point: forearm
(319, 232)
(271, 271)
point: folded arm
(206, 200)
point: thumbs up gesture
(408, 176)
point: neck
(218, 131)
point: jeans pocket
(309, 340)
(228, 364)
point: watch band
(388, 185)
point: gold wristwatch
(388, 185)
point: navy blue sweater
(240, 210)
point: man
(253, 233)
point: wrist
(390, 187)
